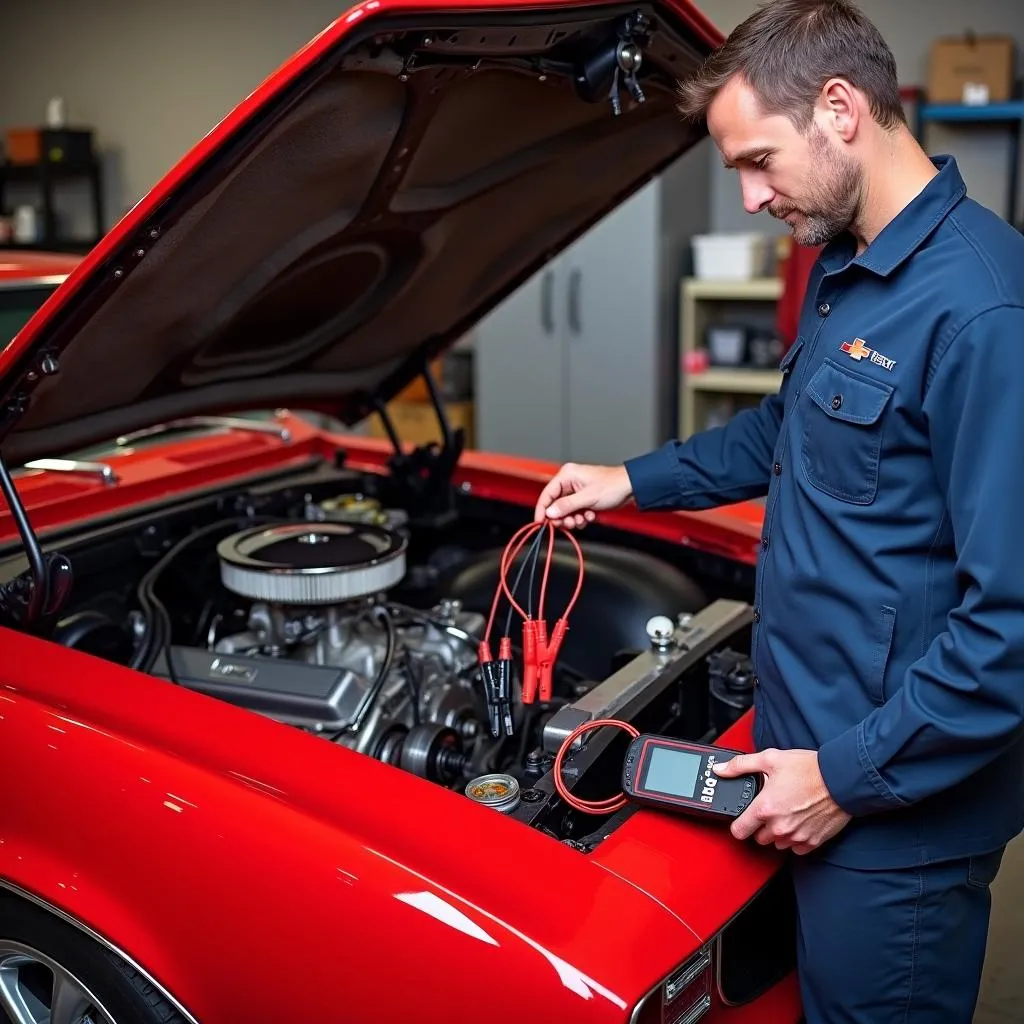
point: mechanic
(888, 638)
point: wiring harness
(539, 648)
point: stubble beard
(834, 196)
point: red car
(261, 764)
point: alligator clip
(530, 665)
(504, 693)
(547, 655)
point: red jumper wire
(539, 652)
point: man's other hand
(576, 493)
(794, 809)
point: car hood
(356, 214)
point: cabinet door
(611, 302)
(519, 375)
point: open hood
(360, 211)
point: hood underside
(375, 199)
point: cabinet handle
(574, 301)
(547, 318)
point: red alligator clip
(547, 657)
(529, 661)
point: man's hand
(576, 493)
(794, 809)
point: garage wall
(153, 77)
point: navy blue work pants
(900, 946)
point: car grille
(757, 948)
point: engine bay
(327, 600)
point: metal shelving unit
(1009, 115)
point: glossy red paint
(151, 476)
(287, 834)
(17, 265)
(207, 840)
(156, 474)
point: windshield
(17, 305)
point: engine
(324, 649)
(332, 611)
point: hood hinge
(46, 365)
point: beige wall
(151, 77)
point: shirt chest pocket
(842, 433)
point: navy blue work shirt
(889, 607)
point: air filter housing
(311, 563)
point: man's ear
(839, 108)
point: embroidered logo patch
(858, 350)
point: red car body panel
(234, 858)
(733, 531)
(17, 265)
(228, 828)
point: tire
(122, 992)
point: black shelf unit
(47, 176)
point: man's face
(803, 178)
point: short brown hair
(788, 49)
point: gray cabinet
(581, 363)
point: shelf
(57, 169)
(1012, 111)
(47, 178)
(704, 303)
(761, 289)
(1009, 116)
(734, 381)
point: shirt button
(757, 615)
(764, 543)
(837, 401)
(777, 469)
(756, 681)
(824, 309)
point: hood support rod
(37, 569)
(35, 597)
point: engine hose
(611, 804)
(157, 635)
(374, 692)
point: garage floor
(1002, 990)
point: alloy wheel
(35, 989)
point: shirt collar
(905, 234)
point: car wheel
(51, 973)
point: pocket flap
(843, 396)
(791, 354)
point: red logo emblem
(857, 350)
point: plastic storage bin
(729, 257)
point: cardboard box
(974, 70)
(416, 422)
